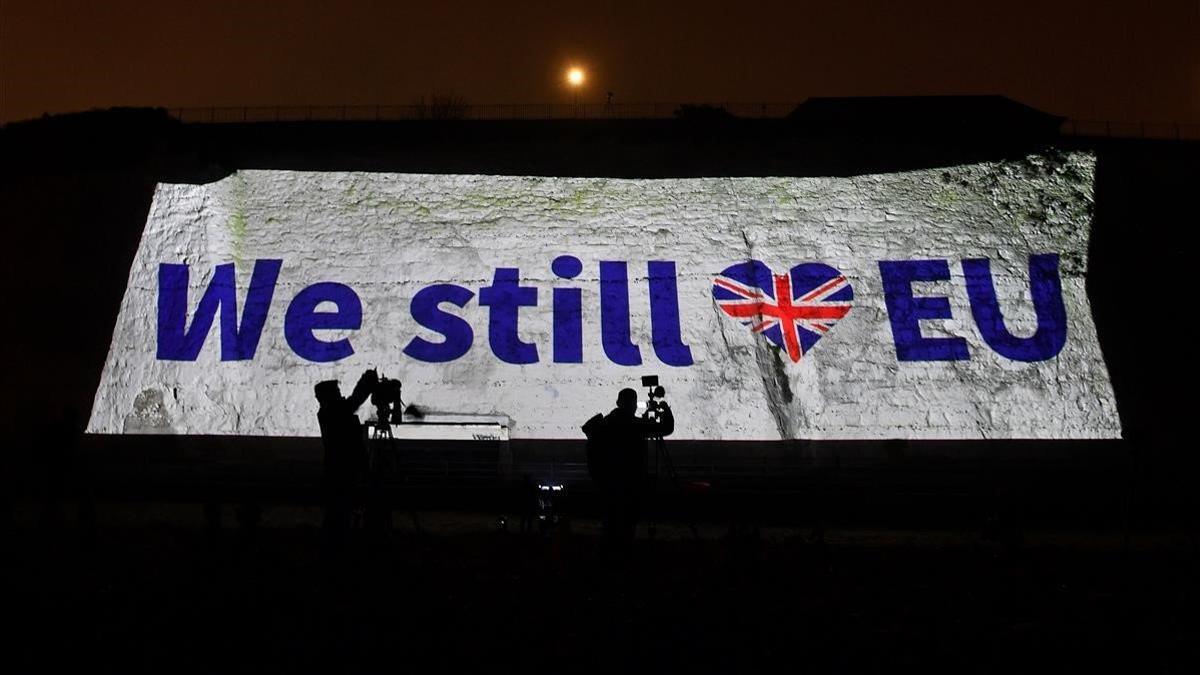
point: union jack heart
(792, 310)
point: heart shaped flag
(792, 310)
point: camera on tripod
(385, 396)
(655, 396)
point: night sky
(1086, 60)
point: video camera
(655, 396)
(385, 396)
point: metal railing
(598, 111)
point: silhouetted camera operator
(617, 458)
(345, 451)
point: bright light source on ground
(575, 77)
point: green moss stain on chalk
(237, 219)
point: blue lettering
(302, 319)
(1046, 290)
(905, 311)
(568, 312)
(614, 315)
(506, 296)
(426, 310)
(664, 315)
(177, 342)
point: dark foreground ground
(152, 588)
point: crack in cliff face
(749, 246)
(776, 386)
(721, 325)
(781, 376)
(772, 370)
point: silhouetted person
(619, 464)
(345, 450)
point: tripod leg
(394, 460)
